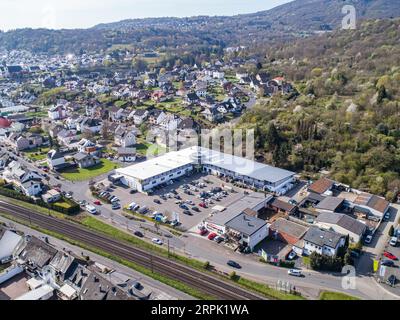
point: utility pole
(168, 248)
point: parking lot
(171, 204)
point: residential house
(323, 242)
(10, 244)
(369, 204)
(322, 186)
(156, 116)
(29, 182)
(170, 122)
(125, 137)
(57, 112)
(342, 224)
(126, 154)
(139, 116)
(55, 160)
(85, 160)
(89, 125)
(36, 256)
(330, 205)
(51, 196)
(280, 206)
(287, 231)
(192, 98)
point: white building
(323, 242)
(57, 113)
(146, 175)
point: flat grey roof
(290, 228)
(233, 210)
(245, 224)
(330, 203)
(177, 159)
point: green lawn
(155, 149)
(328, 295)
(79, 174)
(37, 154)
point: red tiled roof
(321, 185)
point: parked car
(219, 239)
(368, 239)
(234, 264)
(203, 232)
(157, 201)
(115, 199)
(157, 241)
(212, 236)
(143, 210)
(292, 255)
(393, 241)
(295, 273)
(97, 203)
(389, 255)
(387, 263)
(184, 207)
(187, 212)
(132, 206)
(195, 209)
(138, 234)
(203, 205)
(116, 206)
(91, 209)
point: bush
(325, 263)
(233, 276)
(287, 264)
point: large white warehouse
(147, 175)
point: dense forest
(347, 117)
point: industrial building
(149, 174)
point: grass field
(328, 295)
(81, 174)
(37, 154)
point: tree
(382, 94)
(273, 138)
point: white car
(113, 200)
(393, 241)
(292, 255)
(157, 241)
(131, 206)
(91, 209)
(295, 273)
(368, 239)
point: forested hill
(346, 119)
(295, 19)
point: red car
(389, 255)
(212, 236)
(97, 203)
(203, 205)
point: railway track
(191, 277)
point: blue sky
(58, 14)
